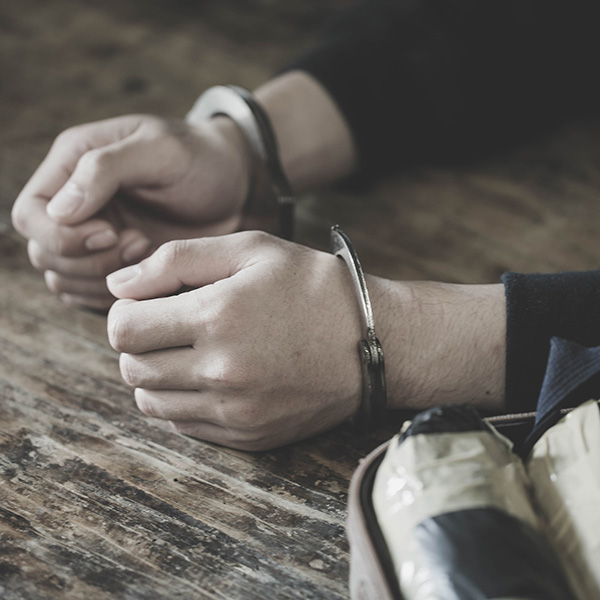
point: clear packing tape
(564, 469)
(443, 472)
(456, 513)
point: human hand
(262, 353)
(109, 193)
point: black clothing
(566, 305)
(443, 80)
(424, 80)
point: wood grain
(98, 501)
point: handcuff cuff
(374, 393)
(268, 179)
(241, 107)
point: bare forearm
(315, 143)
(443, 343)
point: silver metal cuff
(240, 105)
(374, 394)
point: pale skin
(262, 351)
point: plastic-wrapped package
(564, 469)
(451, 499)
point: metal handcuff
(242, 108)
(239, 105)
(374, 393)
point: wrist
(270, 200)
(238, 158)
(315, 143)
(443, 343)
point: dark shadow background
(69, 61)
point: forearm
(442, 343)
(315, 144)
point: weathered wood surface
(96, 500)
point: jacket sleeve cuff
(539, 307)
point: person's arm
(443, 343)
(110, 192)
(265, 350)
(438, 80)
(315, 143)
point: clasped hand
(109, 193)
(263, 350)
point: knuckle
(254, 239)
(152, 125)
(217, 372)
(173, 252)
(213, 314)
(95, 162)
(168, 132)
(227, 372)
(68, 137)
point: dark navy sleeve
(566, 305)
(445, 80)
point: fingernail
(50, 279)
(135, 250)
(68, 199)
(35, 252)
(123, 275)
(101, 240)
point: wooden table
(98, 501)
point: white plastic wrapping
(564, 468)
(421, 479)
(456, 513)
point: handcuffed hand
(109, 193)
(263, 352)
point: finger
(102, 171)
(59, 284)
(101, 302)
(207, 432)
(136, 327)
(194, 263)
(30, 220)
(60, 163)
(239, 439)
(173, 369)
(223, 436)
(199, 415)
(132, 246)
(178, 405)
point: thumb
(180, 263)
(99, 174)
